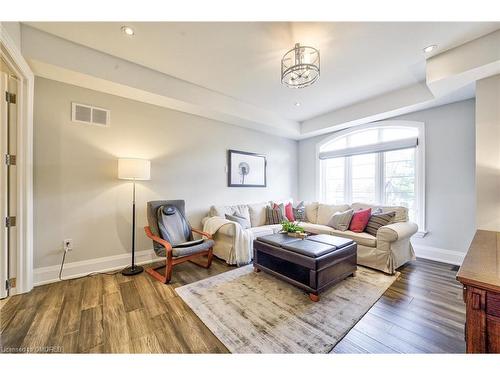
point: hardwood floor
(422, 312)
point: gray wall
(488, 153)
(450, 174)
(76, 191)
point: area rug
(257, 313)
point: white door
(8, 178)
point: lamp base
(133, 270)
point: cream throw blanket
(242, 238)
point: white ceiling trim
(58, 59)
(374, 109)
(459, 66)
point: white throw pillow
(258, 214)
(325, 212)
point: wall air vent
(87, 114)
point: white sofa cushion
(325, 212)
(258, 214)
(265, 230)
(316, 228)
(360, 238)
(401, 212)
(311, 211)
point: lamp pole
(133, 270)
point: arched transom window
(380, 163)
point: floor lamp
(133, 169)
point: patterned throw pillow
(274, 215)
(281, 207)
(341, 220)
(299, 212)
(360, 220)
(243, 221)
(378, 220)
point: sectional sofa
(387, 251)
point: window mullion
(379, 178)
(348, 179)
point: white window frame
(419, 167)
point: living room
(249, 186)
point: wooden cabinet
(480, 275)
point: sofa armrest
(396, 231)
(205, 234)
(227, 230)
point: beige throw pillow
(325, 212)
(341, 220)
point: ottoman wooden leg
(314, 297)
(255, 269)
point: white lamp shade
(134, 169)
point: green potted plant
(293, 229)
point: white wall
(76, 191)
(450, 170)
(488, 153)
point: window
(379, 163)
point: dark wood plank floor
(422, 312)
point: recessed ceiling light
(297, 104)
(430, 48)
(127, 30)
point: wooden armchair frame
(171, 261)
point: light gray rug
(258, 313)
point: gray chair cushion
(173, 226)
(152, 216)
(183, 251)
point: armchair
(172, 237)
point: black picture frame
(231, 155)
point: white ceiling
(242, 60)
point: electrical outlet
(68, 244)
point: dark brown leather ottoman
(312, 264)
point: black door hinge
(10, 283)
(10, 159)
(10, 97)
(10, 221)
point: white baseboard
(50, 274)
(439, 255)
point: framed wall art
(246, 169)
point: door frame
(24, 163)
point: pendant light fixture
(300, 66)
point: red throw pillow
(360, 220)
(289, 212)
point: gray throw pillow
(245, 224)
(299, 212)
(341, 220)
(379, 220)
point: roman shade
(398, 144)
